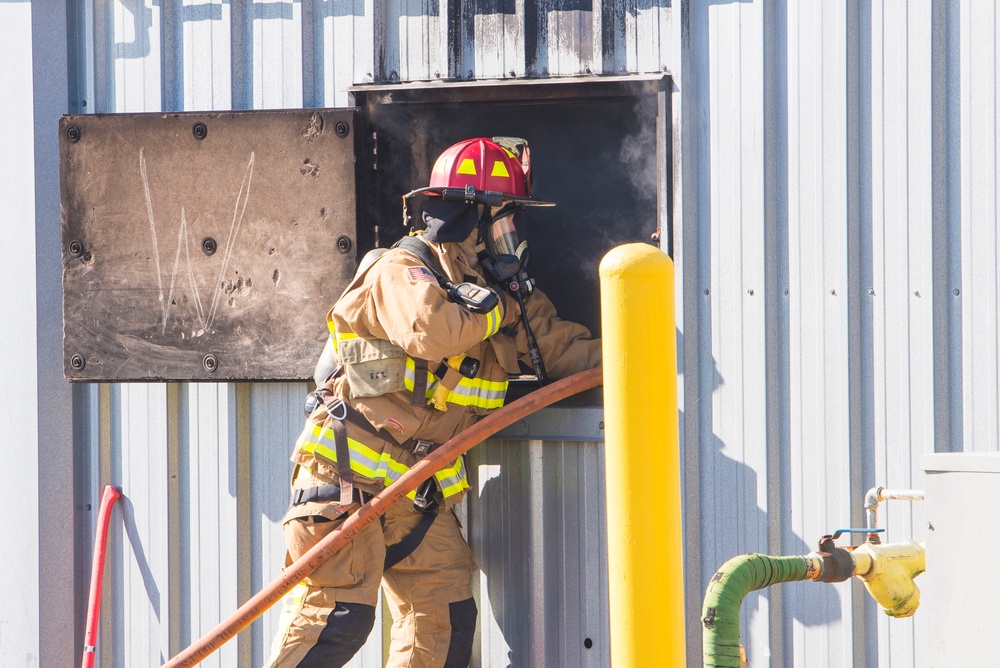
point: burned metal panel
(415, 47)
(648, 33)
(204, 246)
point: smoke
(638, 150)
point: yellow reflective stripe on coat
(340, 336)
(493, 320)
(319, 440)
(488, 394)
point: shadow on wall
(738, 526)
(509, 534)
(733, 475)
(732, 523)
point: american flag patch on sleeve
(420, 274)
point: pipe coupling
(830, 563)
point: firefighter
(422, 343)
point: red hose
(111, 495)
(368, 513)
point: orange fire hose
(368, 513)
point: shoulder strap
(424, 254)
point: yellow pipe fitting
(888, 572)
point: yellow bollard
(642, 458)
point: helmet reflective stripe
(318, 440)
(499, 169)
(478, 392)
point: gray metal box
(960, 593)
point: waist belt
(326, 493)
(393, 553)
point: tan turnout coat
(398, 301)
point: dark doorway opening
(599, 149)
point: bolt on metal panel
(204, 246)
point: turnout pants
(328, 616)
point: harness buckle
(336, 403)
(422, 447)
(428, 497)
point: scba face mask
(505, 237)
(506, 253)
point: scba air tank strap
(473, 297)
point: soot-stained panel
(599, 148)
(204, 246)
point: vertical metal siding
(276, 32)
(204, 50)
(19, 396)
(980, 38)
(209, 515)
(134, 63)
(417, 50)
(648, 35)
(734, 442)
(902, 263)
(348, 50)
(498, 44)
(274, 421)
(814, 441)
(778, 129)
(139, 451)
(536, 523)
(575, 574)
(819, 468)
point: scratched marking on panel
(183, 241)
(234, 229)
(192, 241)
(152, 231)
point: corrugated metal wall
(835, 202)
(19, 386)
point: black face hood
(448, 221)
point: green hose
(729, 586)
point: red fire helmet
(501, 164)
